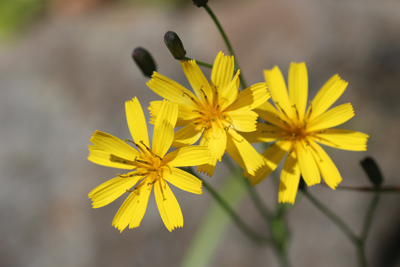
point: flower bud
(371, 168)
(200, 3)
(174, 44)
(144, 61)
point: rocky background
(69, 73)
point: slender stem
(346, 230)
(279, 233)
(201, 63)
(369, 216)
(388, 189)
(362, 259)
(257, 200)
(367, 224)
(253, 193)
(262, 240)
(226, 40)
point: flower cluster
(220, 117)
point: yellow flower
(297, 131)
(150, 167)
(216, 113)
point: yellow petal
(307, 164)
(229, 93)
(185, 114)
(154, 109)
(251, 97)
(242, 120)
(298, 88)
(101, 157)
(164, 128)
(277, 88)
(208, 168)
(343, 139)
(264, 133)
(331, 118)
(326, 96)
(268, 113)
(187, 135)
(113, 145)
(184, 181)
(134, 207)
(109, 191)
(188, 156)
(168, 206)
(171, 90)
(243, 153)
(196, 78)
(290, 178)
(136, 122)
(326, 166)
(222, 70)
(215, 140)
(272, 156)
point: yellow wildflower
(216, 113)
(297, 131)
(150, 167)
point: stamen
(170, 170)
(216, 89)
(283, 121)
(310, 110)
(183, 94)
(204, 94)
(333, 144)
(126, 175)
(197, 111)
(148, 149)
(297, 112)
(162, 192)
(137, 145)
(215, 102)
(126, 140)
(305, 123)
(116, 159)
(227, 128)
(142, 162)
(276, 103)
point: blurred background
(66, 70)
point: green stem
(346, 230)
(279, 234)
(238, 221)
(387, 189)
(257, 200)
(253, 193)
(367, 224)
(362, 259)
(226, 40)
(369, 216)
(201, 63)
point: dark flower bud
(200, 3)
(371, 168)
(144, 61)
(174, 44)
